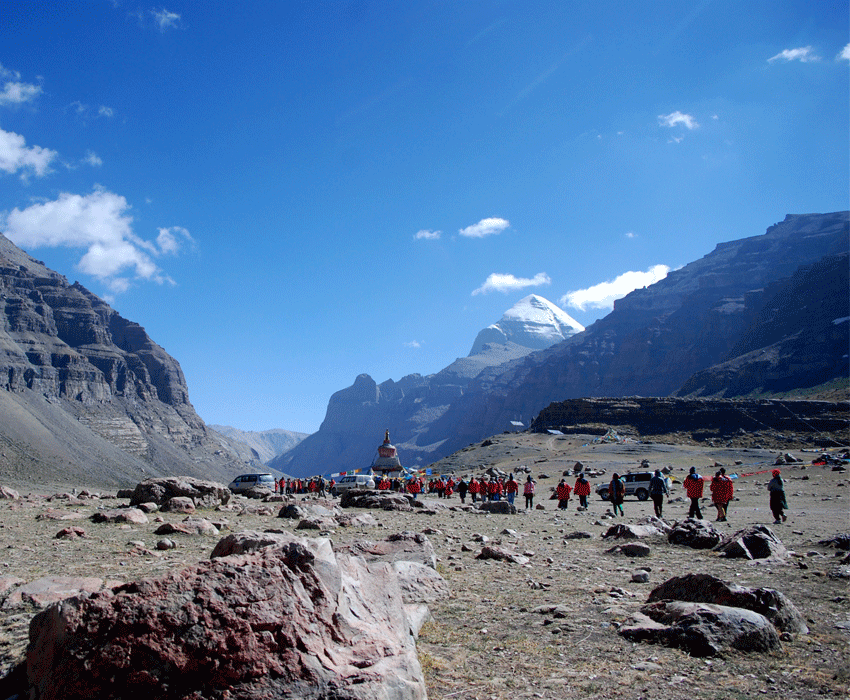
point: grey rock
(702, 629)
(625, 531)
(377, 500)
(631, 549)
(403, 546)
(120, 515)
(502, 507)
(204, 494)
(501, 554)
(704, 588)
(178, 504)
(249, 541)
(697, 534)
(299, 511)
(757, 542)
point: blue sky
(288, 194)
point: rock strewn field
(544, 629)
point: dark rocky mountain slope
(85, 395)
(651, 344)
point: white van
(354, 481)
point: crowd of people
(495, 488)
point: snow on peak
(533, 322)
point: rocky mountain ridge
(653, 342)
(84, 391)
(353, 422)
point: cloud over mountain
(498, 282)
(604, 294)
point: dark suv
(637, 484)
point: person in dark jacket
(617, 493)
(462, 488)
(778, 504)
(657, 490)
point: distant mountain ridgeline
(265, 444)
(761, 314)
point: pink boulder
(297, 620)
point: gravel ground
(487, 641)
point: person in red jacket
(694, 484)
(493, 489)
(528, 492)
(562, 491)
(474, 488)
(582, 490)
(511, 489)
(414, 487)
(721, 493)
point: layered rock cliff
(85, 394)
(656, 338)
(700, 316)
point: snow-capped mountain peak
(533, 322)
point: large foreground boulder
(704, 588)
(204, 494)
(702, 629)
(296, 620)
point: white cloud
(99, 223)
(413, 344)
(845, 54)
(171, 240)
(14, 155)
(485, 227)
(426, 235)
(677, 117)
(18, 93)
(93, 159)
(498, 282)
(165, 19)
(803, 55)
(14, 91)
(104, 111)
(631, 234)
(603, 295)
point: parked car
(244, 482)
(354, 481)
(637, 484)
